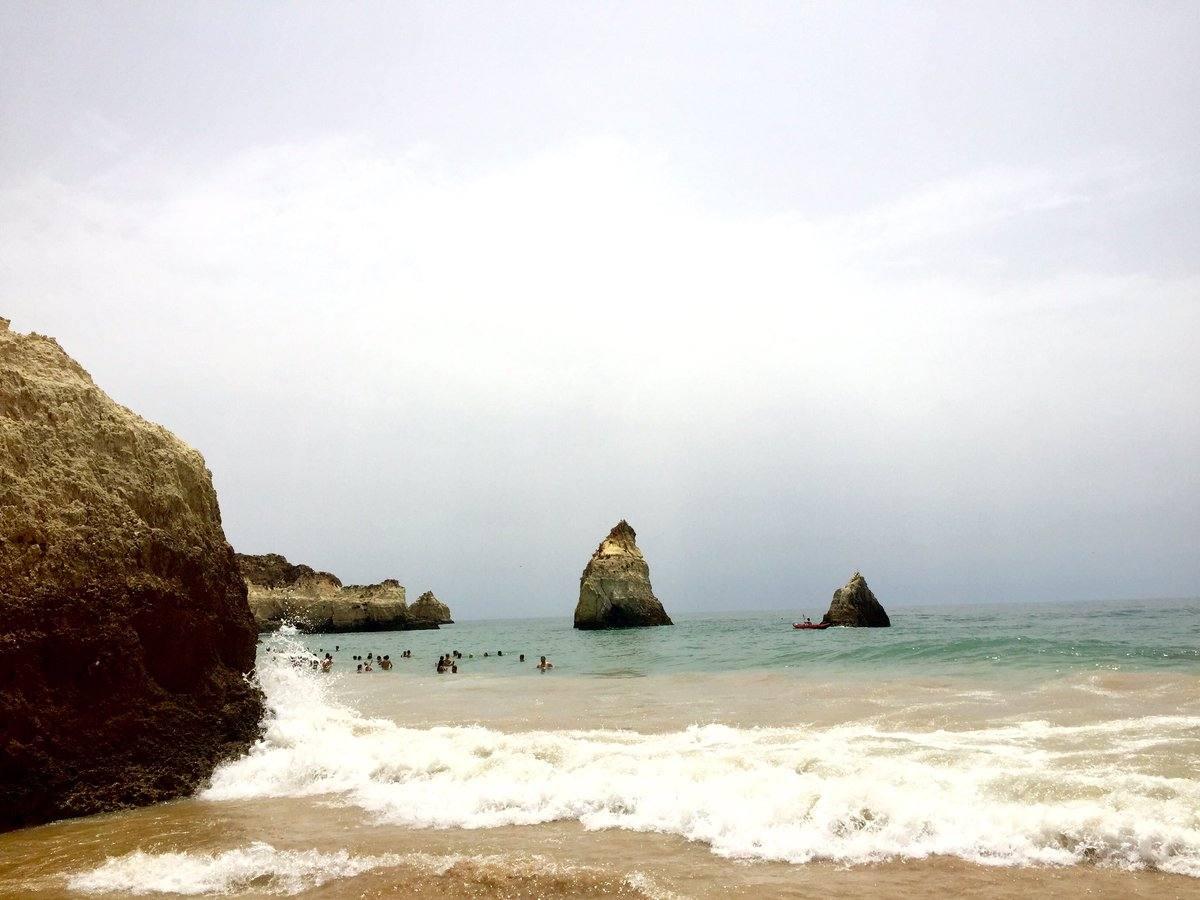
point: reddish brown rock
(124, 628)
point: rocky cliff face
(853, 604)
(318, 602)
(614, 590)
(124, 627)
(430, 608)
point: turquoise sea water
(963, 640)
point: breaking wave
(1012, 794)
(258, 865)
(260, 868)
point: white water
(258, 865)
(1008, 794)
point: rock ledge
(318, 602)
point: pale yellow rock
(314, 601)
(614, 590)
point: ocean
(996, 750)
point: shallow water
(986, 642)
(960, 752)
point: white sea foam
(260, 868)
(258, 865)
(1022, 793)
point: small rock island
(614, 589)
(318, 602)
(854, 605)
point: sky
(443, 290)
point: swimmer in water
(545, 664)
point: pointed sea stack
(614, 590)
(124, 628)
(855, 605)
(430, 608)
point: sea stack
(853, 604)
(126, 633)
(429, 607)
(614, 590)
(318, 602)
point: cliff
(318, 602)
(614, 589)
(126, 631)
(853, 604)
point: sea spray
(1015, 793)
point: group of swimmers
(447, 662)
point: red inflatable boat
(810, 626)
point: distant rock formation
(614, 590)
(318, 602)
(125, 630)
(430, 608)
(853, 604)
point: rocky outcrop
(853, 604)
(125, 630)
(317, 602)
(614, 590)
(430, 608)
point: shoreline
(554, 859)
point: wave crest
(1013, 794)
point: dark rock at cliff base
(318, 602)
(853, 604)
(614, 590)
(124, 627)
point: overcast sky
(442, 291)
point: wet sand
(558, 859)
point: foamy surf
(259, 868)
(258, 865)
(1017, 793)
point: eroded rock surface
(125, 630)
(614, 590)
(318, 602)
(853, 604)
(431, 608)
